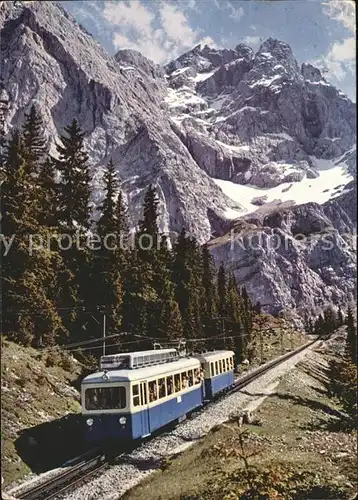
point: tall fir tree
(47, 195)
(208, 281)
(34, 141)
(109, 260)
(351, 347)
(107, 221)
(222, 291)
(74, 187)
(340, 316)
(148, 238)
(187, 276)
(29, 276)
(74, 219)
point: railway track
(98, 461)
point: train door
(145, 413)
(202, 379)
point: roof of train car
(214, 355)
(142, 373)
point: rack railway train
(135, 394)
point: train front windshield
(105, 398)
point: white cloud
(342, 11)
(175, 24)
(252, 41)
(340, 58)
(160, 31)
(131, 14)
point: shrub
(53, 358)
(343, 385)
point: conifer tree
(47, 195)
(187, 276)
(351, 336)
(74, 219)
(239, 343)
(29, 277)
(208, 281)
(34, 141)
(320, 327)
(107, 222)
(222, 291)
(340, 317)
(330, 320)
(74, 188)
(148, 238)
(109, 260)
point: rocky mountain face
(236, 142)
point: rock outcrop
(230, 138)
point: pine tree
(340, 317)
(74, 219)
(222, 291)
(47, 195)
(187, 276)
(208, 281)
(148, 234)
(107, 221)
(320, 326)
(34, 141)
(74, 188)
(239, 343)
(351, 336)
(29, 276)
(330, 320)
(109, 260)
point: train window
(232, 363)
(105, 398)
(197, 376)
(161, 385)
(177, 383)
(153, 391)
(212, 370)
(170, 385)
(143, 393)
(184, 381)
(190, 378)
(136, 397)
(216, 368)
(227, 364)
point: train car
(128, 404)
(218, 367)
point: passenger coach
(128, 404)
(218, 367)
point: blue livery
(129, 404)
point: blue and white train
(137, 393)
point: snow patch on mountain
(331, 182)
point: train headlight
(122, 420)
(89, 422)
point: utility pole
(224, 332)
(104, 334)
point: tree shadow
(51, 444)
(299, 400)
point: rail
(88, 467)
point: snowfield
(331, 182)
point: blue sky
(320, 32)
